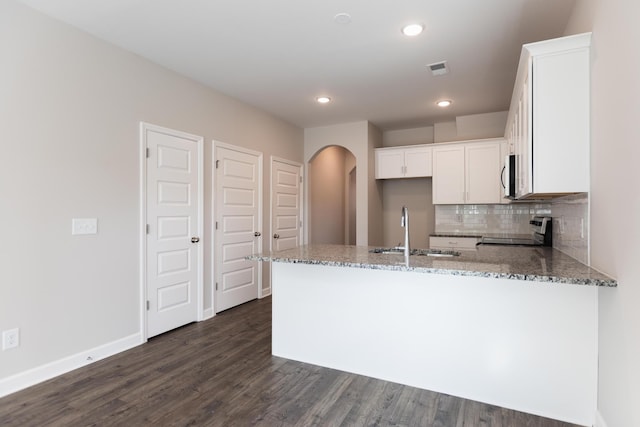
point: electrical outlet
(10, 339)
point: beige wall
(415, 193)
(327, 196)
(413, 136)
(70, 108)
(359, 138)
(615, 203)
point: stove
(541, 232)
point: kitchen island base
(523, 345)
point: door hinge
(147, 153)
(216, 225)
(217, 164)
(147, 228)
(216, 286)
(147, 305)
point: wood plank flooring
(221, 373)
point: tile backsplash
(571, 226)
(570, 221)
(488, 219)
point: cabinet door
(448, 175)
(417, 162)
(389, 164)
(483, 167)
(560, 113)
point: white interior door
(286, 202)
(238, 199)
(173, 204)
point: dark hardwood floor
(221, 373)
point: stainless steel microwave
(508, 177)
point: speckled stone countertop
(538, 264)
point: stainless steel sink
(419, 252)
(389, 251)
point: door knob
(276, 236)
(195, 239)
(257, 234)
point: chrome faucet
(404, 222)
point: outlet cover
(10, 339)
(84, 226)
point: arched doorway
(332, 196)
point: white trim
(208, 313)
(600, 420)
(142, 229)
(214, 210)
(199, 141)
(50, 370)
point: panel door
(448, 175)
(173, 217)
(238, 194)
(286, 202)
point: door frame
(214, 213)
(199, 141)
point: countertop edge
(493, 275)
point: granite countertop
(540, 264)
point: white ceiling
(278, 55)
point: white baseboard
(49, 370)
(265, 293)
(208, 313)
(599, 420)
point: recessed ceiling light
(412, 30)
(323, 99)
(342, 18)
(443, 103)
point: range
(541, 232)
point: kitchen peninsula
(510, 326)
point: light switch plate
(84, 226)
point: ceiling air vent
(438, 68)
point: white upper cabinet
(467, 173)
(548, 123)
(483, 166)
(448, 175)
(403, 162)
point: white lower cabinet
(467, 173)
